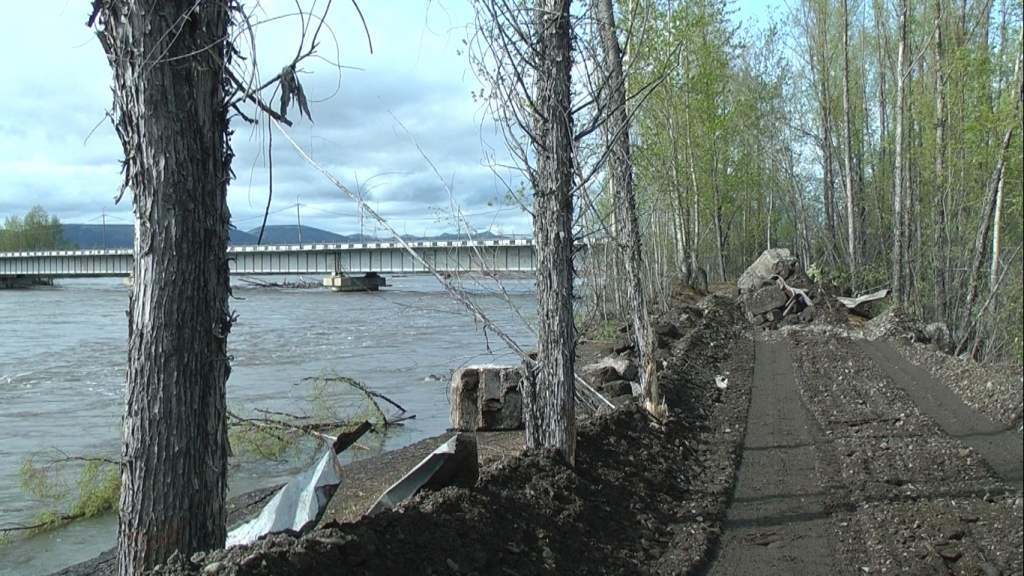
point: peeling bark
(169, 59)
(548, 404)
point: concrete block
(487, 398)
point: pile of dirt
(643, 497)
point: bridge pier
(370, 282)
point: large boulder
(763, 299)
(774, 261)
(487, 398)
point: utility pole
(298, 218)
(104, 227)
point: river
(63, 355)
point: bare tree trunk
(828, 179)
(899, 177)
(681, 212)
(169, 59)
(980, 240)
(998, 217)
(851, 214)
(691, 258)
(984, 227)
(620, 163)
(549, 407)
(720, 238)
(938, 238)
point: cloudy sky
(378, 124)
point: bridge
(342, 263)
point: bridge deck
(350, 258)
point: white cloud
(57, 149)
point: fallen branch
(864, 421)
(50, 522)
(359, 386)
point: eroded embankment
(642, 498)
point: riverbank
(63, 369)
(641, 492)
(885, 488)
(363, 481)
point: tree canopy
(804, 132)
(37, 230)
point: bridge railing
(315, 246)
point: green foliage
(815, 273)
(74, 487)
(95, 487)
(251, 441)
(740, 144)
(37, 230)
(337, 404)
(604, 331)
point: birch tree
(899, 171)
(620, 165)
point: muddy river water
(63, 354)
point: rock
(665, 333)
(763, 300)
(622, 343)
(608, 369)
(623, 400)
(939, 335)
(772, 261)
(730, 292)
(616, 388)
(807, 314)
(791, 320)
(989, 569)
(487, 398)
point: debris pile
(774, 291)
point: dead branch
(52, 521)
(358, 386)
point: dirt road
(893, 473)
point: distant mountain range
(93, 236)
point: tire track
(776, 523)
(1002, 449)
